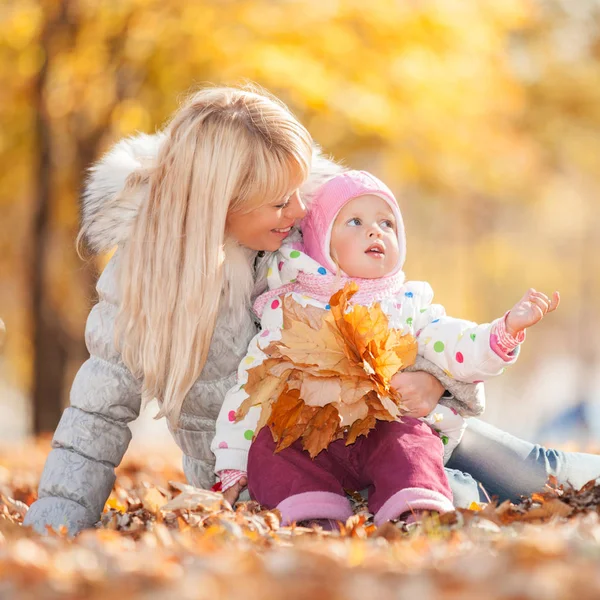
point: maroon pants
(401, 464)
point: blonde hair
(226, 151)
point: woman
(192, 211)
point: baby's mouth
(376, 249)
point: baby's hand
(530, 309)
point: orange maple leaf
(284, 413)
(360, 427)
(321, 430)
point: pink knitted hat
(327, 202)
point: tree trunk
(54, 350)
(49, 352)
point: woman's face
(265, 227)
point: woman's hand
(231, 494)
(530, 309)
(420, 392)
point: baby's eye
(354, 222)
(387, 223)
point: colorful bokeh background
(483, 117)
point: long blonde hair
(226, 151)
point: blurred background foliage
(483, 116)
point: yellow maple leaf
(351, 412)
(354, 389)
(294, 312)
(303, 345)
(320, 391)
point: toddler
(354, 231)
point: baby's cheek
(343, 248)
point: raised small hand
(529, 310)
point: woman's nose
(296, 209)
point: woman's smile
(282, 233)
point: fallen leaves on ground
(329, 374)
(161, 538)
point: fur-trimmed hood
(108, 212)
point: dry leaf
(386, 363)
(361, 324)
(305, 346)
(294, 312)
(351, 412)
(549, 509)
(152, 500)
(360, 427)
(291, 434)
(321, 430)
(192, 498)
(284, 413)
(320, 391)
(354, 389)
(269, 389)
(383, 409)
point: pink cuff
(229, 477)
(412, 499)
(502, 342)
(314, 505)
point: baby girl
(354, 232)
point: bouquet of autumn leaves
(329, 374)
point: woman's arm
(93, 433)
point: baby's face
(364, 238)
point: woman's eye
(285, 202)
(355, 222)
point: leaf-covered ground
(162, 539)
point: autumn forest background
(482, 116)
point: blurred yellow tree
(484, 112)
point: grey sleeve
(92, 435)
(468, 399)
